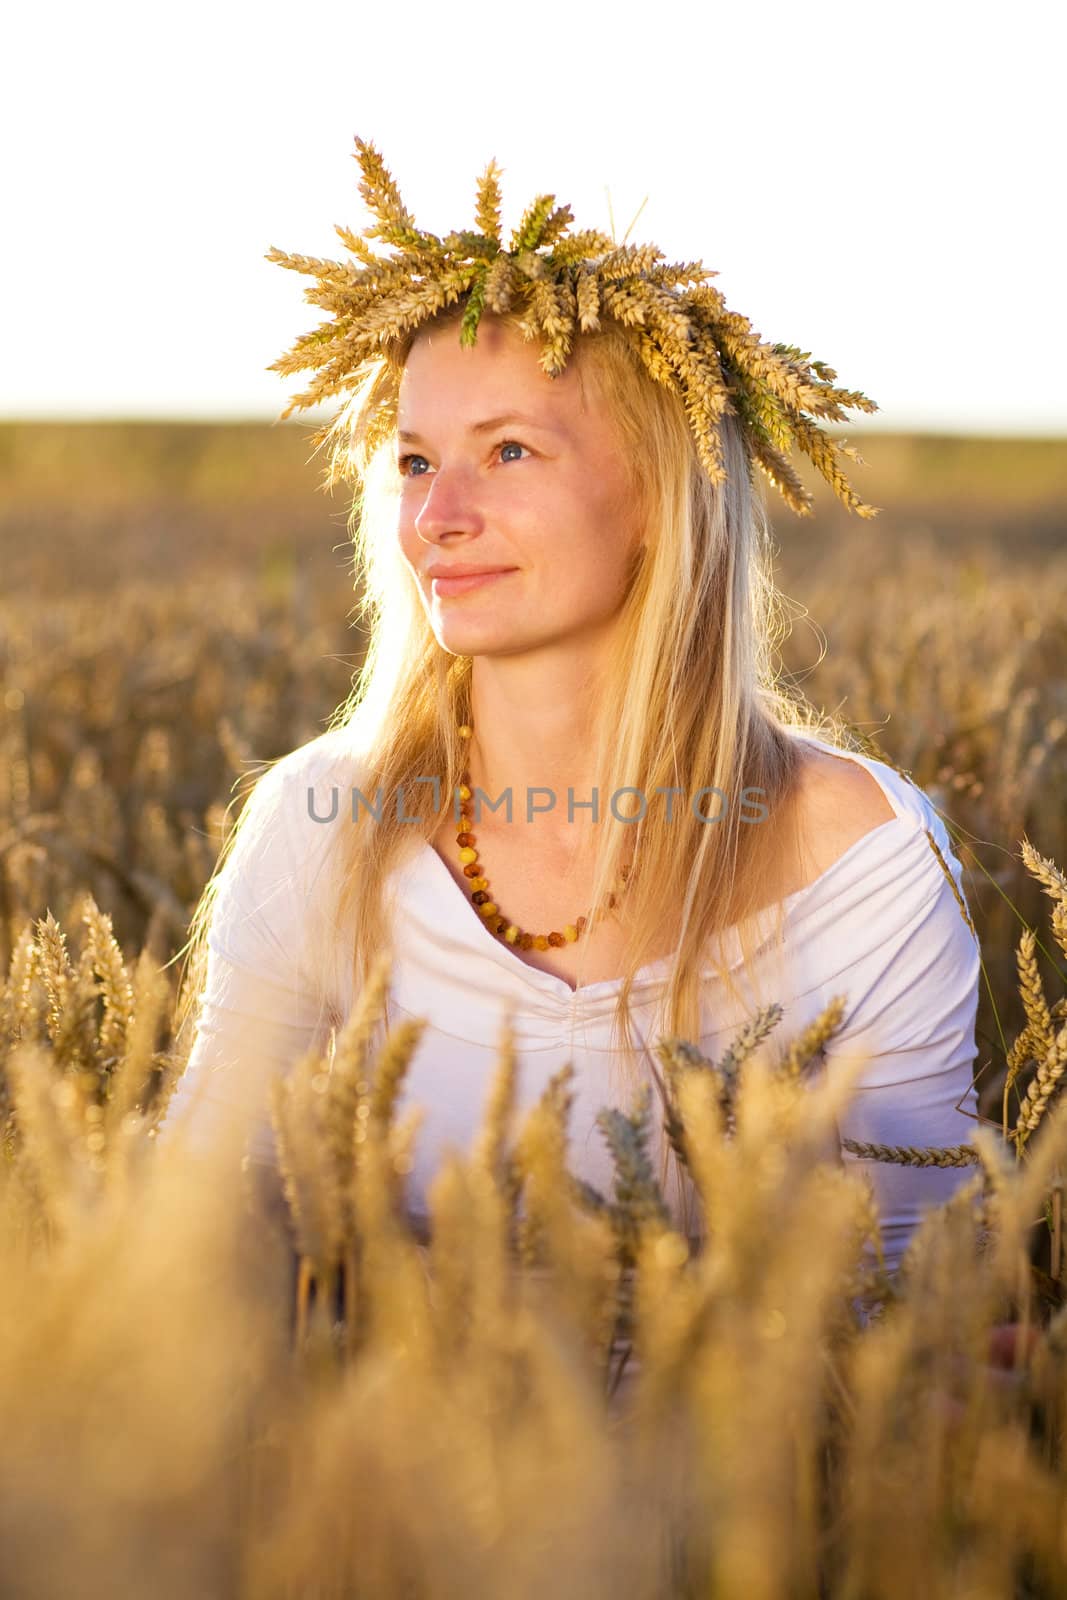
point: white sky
(880, 182)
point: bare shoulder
(839, 802)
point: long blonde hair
(694, 696)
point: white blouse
(880, 926)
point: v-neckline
(536, 975)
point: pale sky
(880, 183)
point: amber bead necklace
(474, 872)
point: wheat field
(207, 1393)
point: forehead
(499, 374)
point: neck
(534, 729)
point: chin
(487, 637)
(474, 642)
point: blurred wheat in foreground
(207, 1393)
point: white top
(880, 926)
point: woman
(567, 579)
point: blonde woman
(567, 597)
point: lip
(460, 581)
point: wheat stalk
(565, 284)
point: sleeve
(912, 992)
(259, 1010)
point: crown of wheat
(565, 283)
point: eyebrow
(486, 426)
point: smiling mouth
(448, 586)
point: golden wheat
(548, 1386)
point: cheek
(606, 534)
(407, 537)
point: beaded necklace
(510, 932)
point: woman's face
(504, 467)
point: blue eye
(404, 462)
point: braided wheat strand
(565, 284)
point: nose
(450, 507)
